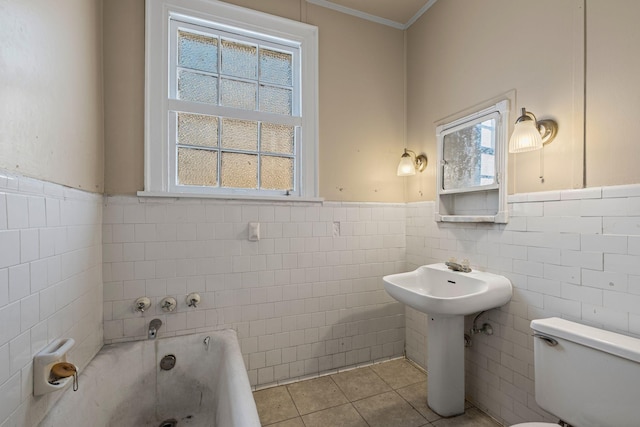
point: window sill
(290, 199)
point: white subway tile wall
(307, 298)
(50, 285)
(573, 254)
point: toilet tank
(591, 378)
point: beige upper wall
(361, 107)
(613, 92)
(361, 100)
(51, 121)
(51, 96)
(462, 53)
(123, 96)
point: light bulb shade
(406, 167)
(525, 137)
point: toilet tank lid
(610, 342)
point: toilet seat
(535, 425)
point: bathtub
(125, 386)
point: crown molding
(419, 13)
(373, 18)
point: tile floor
(392, 394)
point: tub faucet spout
(154, 325)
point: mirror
(469, 155)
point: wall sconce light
(408, 165)
(531, 134)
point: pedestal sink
(447, 296)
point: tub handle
(548, 340)
(193, 299)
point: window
(231, 102)
(468, 151)
(472, 166)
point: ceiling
(396, 13)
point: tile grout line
(351, 401)
(294, 403)
(361, 416)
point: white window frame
(158, 121)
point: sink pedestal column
(445, 364)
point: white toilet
(585, 376)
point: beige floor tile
(473, 417)
(416, 395)
(315, 395)
(323, 402)
(360, 383)
(274, 404)
(399, 373)
(389, 410)
(293, 422)
(340, 416)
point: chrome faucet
(154, 325)
(462, 267)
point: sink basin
(435, 289)
(447, 296)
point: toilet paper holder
(51, 370)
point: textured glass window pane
(276, 173)
(239, 170)
(197, 129)
(238, 94)
(467, 156)
(197, 167)
(275, 100)
(197, 52)
(239, 134)
(276, 138)
(239, 59)
(487, 138)
(275, 67)
(197, 87)
(488, 165)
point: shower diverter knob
(142, 304)
(193, 299)
(168, 304)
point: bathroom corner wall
(573, 254)
(50, 285)
(306, 299)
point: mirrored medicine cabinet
(472, 167)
